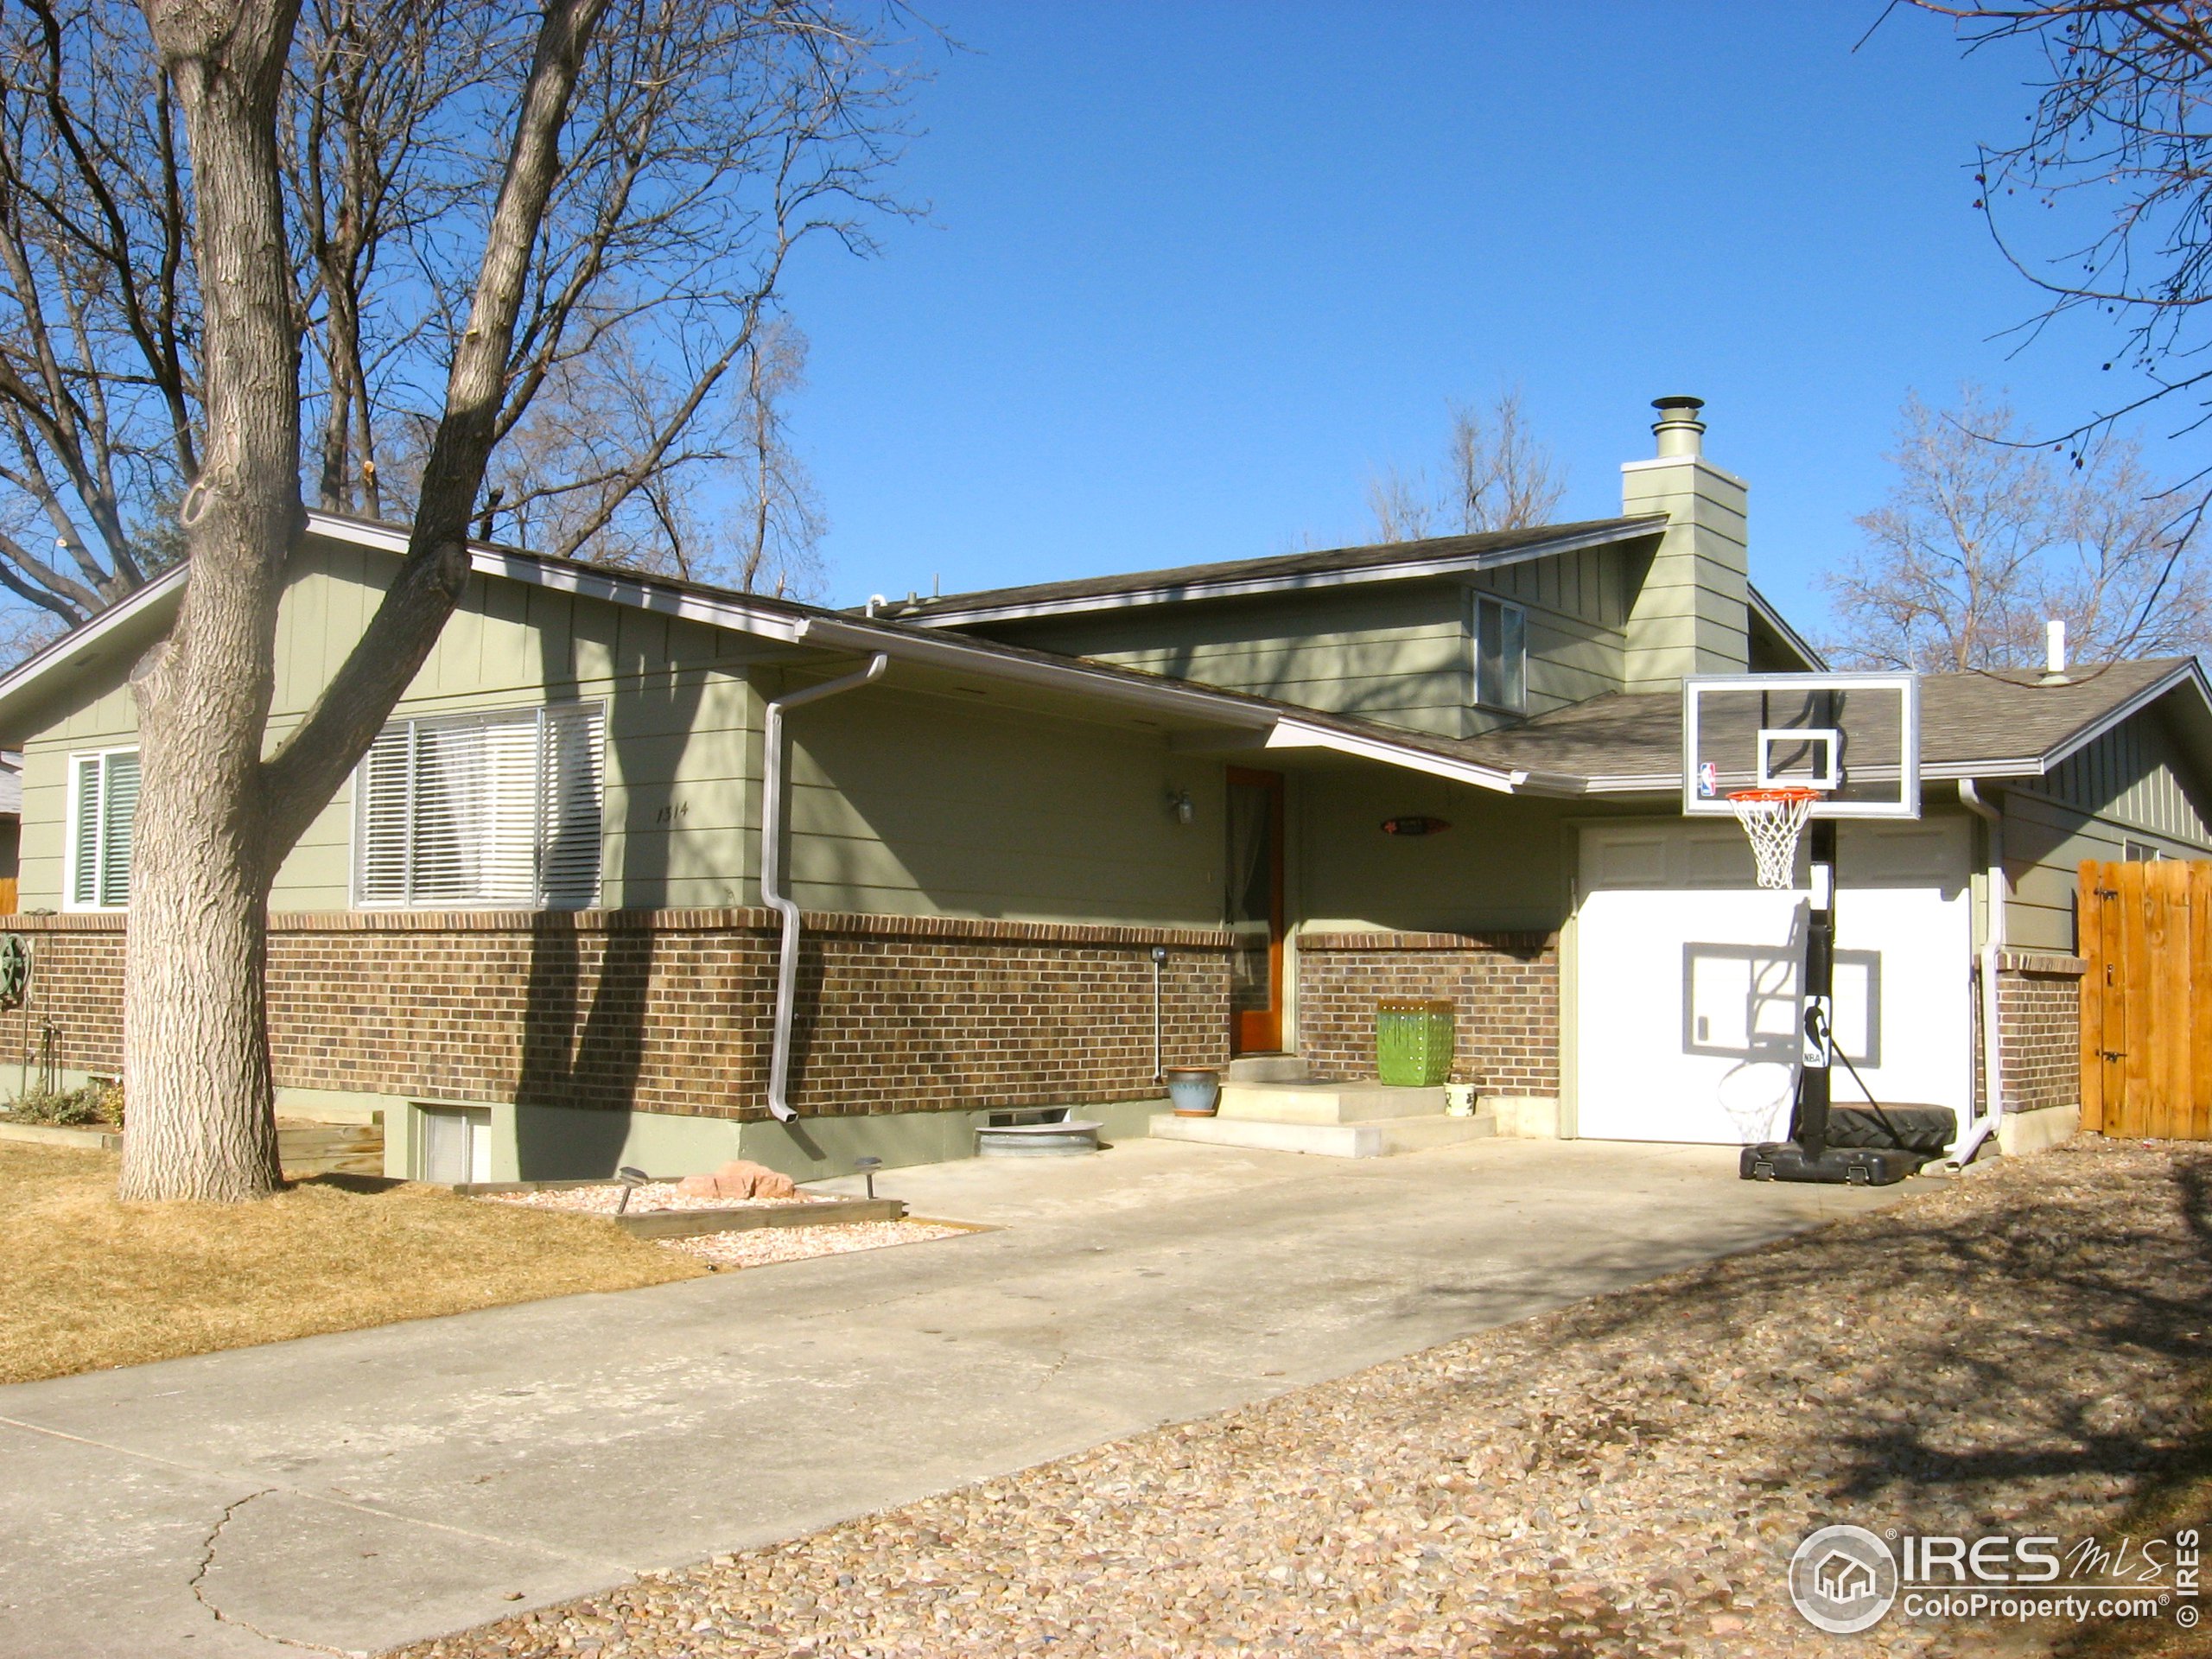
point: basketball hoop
(1773, 818)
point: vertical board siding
(2147, 999)
(2131, 784)
(2133, 775)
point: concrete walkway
(349, 1493)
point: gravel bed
(651, 1195)
(1627, 1476)
(757, 1247)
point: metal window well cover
(1062, 1137)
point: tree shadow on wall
(585, 1020)
(583, 1050)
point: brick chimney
(1692, 613)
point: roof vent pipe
(2054, 649)
(773, 815)
(1678, 429)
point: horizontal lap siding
(1504, 988)
(671, 1011)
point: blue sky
(1192, 272)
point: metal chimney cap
(1678, 428)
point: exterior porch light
(1180, 803)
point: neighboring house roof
(1283, 573)
(1972, 725)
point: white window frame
(471, 1123)
(77, 759)
(1512, 624)
(539, 899)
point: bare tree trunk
(195, 1036)
(216, 819)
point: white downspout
(773, 812)
(1997, 891)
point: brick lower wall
(1504, 985)
(673, 1011)
(2040, 1029)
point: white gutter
(1997, 891)
(640, 594)
(958, 655)
(1293, 734)
(166, 587)
(773, 815)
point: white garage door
(1687, 1014)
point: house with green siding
(1038, 846)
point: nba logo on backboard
(1708, 780)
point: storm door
(1255, 910)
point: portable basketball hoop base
(1789, 754)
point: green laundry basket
(1412, 1041)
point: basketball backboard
(1853, 739)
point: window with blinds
(490, 812)
(103, 811)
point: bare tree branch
(1496, 476)
(395, 226)
(1988, 534)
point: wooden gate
(2147, 999)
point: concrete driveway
(352, 1493)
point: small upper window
(1501, 654)
(2140, 852)
(486, 811)
(103, 810)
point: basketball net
(1773, 818)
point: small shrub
(99, 1103)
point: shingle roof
(1500, 546)
(1967, 722)
(1971, 724)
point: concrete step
(1325, 1102)
(1378, 1139)
(1266, 1068)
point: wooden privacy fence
(2147, 999)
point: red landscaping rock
(741, 1178)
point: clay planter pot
(1196, 1090)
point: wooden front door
(2147, 999)
(1254, 911)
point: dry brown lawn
(90, 1282)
